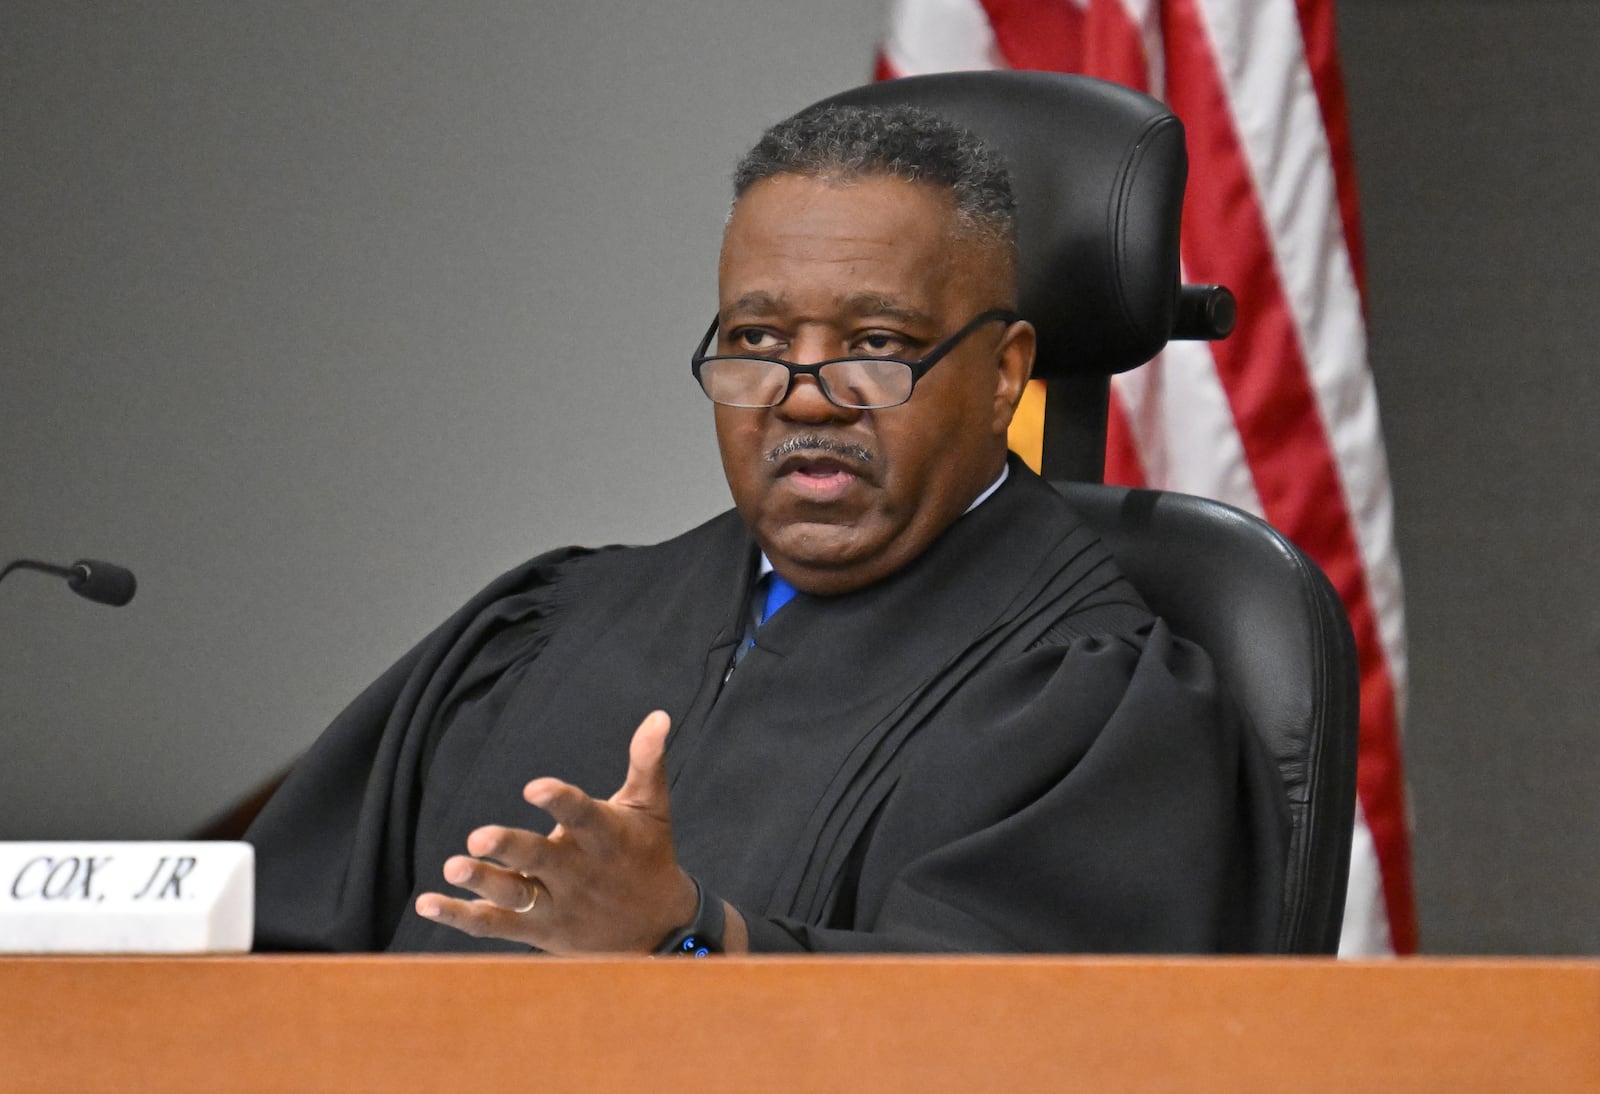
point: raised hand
(606, 878)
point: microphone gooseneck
(91, 578)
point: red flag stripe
(1040, 35)
(1125, 44)
(1121, 452)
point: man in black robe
(964, 731)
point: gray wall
(318, 316)
(1477, 127)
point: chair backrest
(1099, 172)
(1279, 637)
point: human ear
(1014, 364)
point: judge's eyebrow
(759, 303)
(867, 305)
(863, 305)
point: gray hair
(843, 143)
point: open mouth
(819, 477)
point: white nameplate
(146, 897)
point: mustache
(812, 443)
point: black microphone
(90, 578)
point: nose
(805, 401)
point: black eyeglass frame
(919, 367)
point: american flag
(1281, 419)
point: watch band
(702, 936)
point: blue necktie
(779, 593)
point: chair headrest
(1099, 172)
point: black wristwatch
(702, 937)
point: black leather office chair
(1099, 173)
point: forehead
(811, 242)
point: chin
(817, 546)
(828, 566)
(817, 553)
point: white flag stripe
(1184, 428)
(1145, 18)
(1371, 503)
(1261, 59)
(1366, 919)
(938, 36)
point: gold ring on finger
(533, 901)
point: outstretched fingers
(507, 890)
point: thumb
(646, 784)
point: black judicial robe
(997, 748)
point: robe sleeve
(334, 844)
(1100, 796)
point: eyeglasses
(857, 383)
